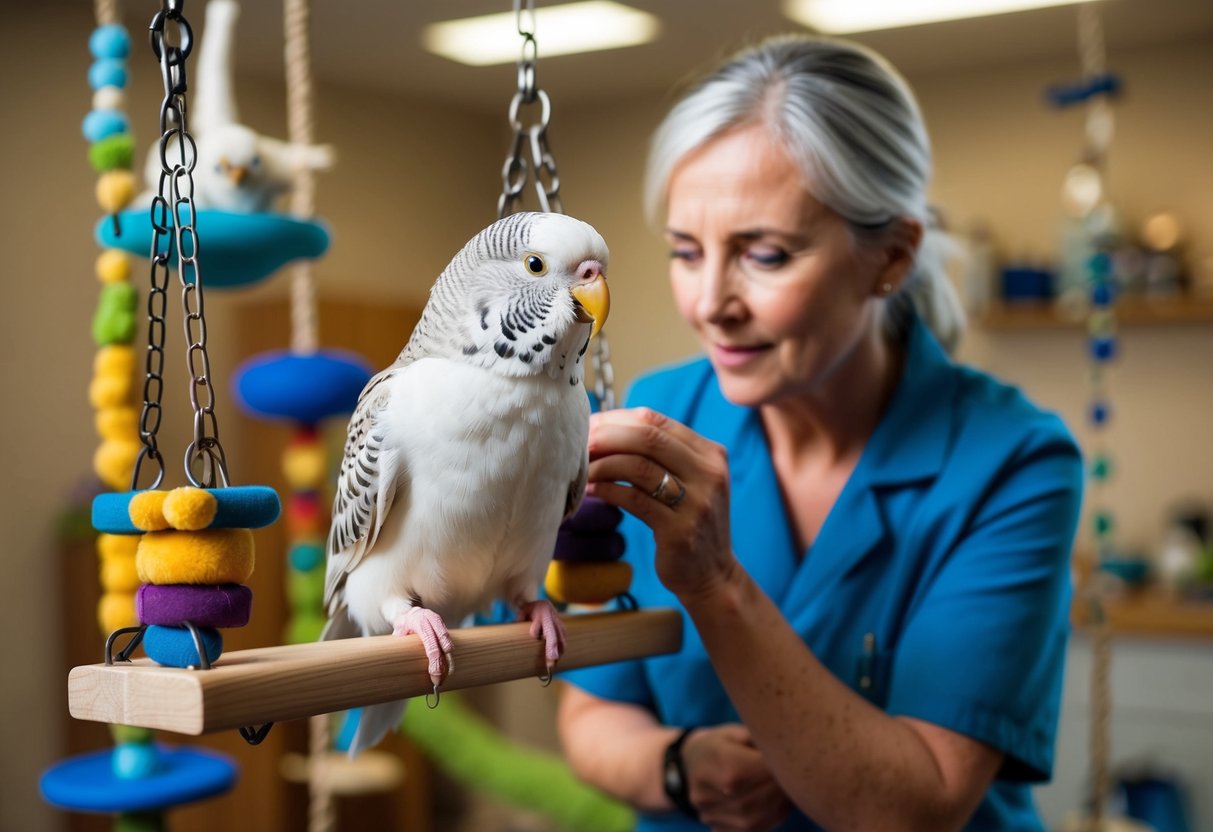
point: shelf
(276, 684)
(1130, 311)
(1151, 613)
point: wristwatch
(674, 776)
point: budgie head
(523, 297)
(231, 160)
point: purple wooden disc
(572, 545)
(171, 605)
(594, 515)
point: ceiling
(376, 44)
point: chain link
(530, 159)
(176, 189)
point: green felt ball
(1101, 468)
(116, 152)
(304, 628)
(130, 734)
(1102, 523)
(139, 822)
(114, 320)
(305, 590)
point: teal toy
(238, 249)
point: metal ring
(660, 495)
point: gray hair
(849, 121)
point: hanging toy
(237, 174)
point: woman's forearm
(844, 762)
(616, 747)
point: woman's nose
(718, 288)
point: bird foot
(429, 626)
(547, 626)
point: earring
(886, 288)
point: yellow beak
(594, 301)
(237, 173)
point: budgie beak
(593, 299)
(237, 173)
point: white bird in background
(464, 456)
(238, 169)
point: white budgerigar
(464, 456)
(238, 169)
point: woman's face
(772, 281)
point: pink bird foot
(545, 625)
(430, 627)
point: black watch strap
(674, 776)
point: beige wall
(415, 180)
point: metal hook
(254, 736)
(203, 659)
(124, 655)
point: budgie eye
(255, 161)
(535, 264)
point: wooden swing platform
(276, 684)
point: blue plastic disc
(233, 249)
(237, 507)
(182, 775)
(110, 41)
(303, 388)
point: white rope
(300, 130)
(106, 12)
(322, 809)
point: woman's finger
(638, 439)
(630, 499)
(638, 471)
(656, 419)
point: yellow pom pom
(146, 510)
(116, 610)
(117, 545)
(119, 574)
(190, 508)
(114, 360)
(305, 466)
(114, 462)
(211, 556)
(120, 423)
(115, 190)
(113, 266)
(587, 582)
(109, 391)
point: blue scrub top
(938, 586)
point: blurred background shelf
(1130, 311)
(1150, 612)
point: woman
(869, 541)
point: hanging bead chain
(541, 165)
(176, 186)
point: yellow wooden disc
(113, 266)
(587, 582)
(110, 391)
(119, 574)
(116, 610)
(210, 556)
(114, 462)
(115, 190)
(116, 360)
(120, 422)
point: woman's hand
(631, 454)
(729, 783)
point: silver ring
(660, 494)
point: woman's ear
(900, 245)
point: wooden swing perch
(276, 684)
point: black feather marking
(537, 347)
(572, 381)
(484, 314)
(471, 349)
(524, 357)
(548, 339)
(504, 350)
(584, 346)
(507, 332)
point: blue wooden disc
(233, 249)
(237, 507)
(303, 388)
(174, 646)
(182, 775)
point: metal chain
(540, 167)
(176, 187)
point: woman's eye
(686, 254)
(535, 264)
(768, 258)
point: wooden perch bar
(276, 684)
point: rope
(300, 130)
(106, 12)
(322, 809)
(1101, 713)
